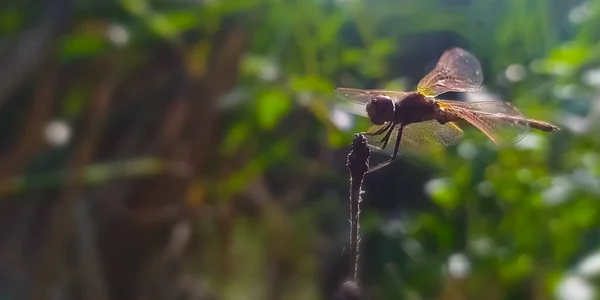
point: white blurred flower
(435, 185)
(459, 266)
(482, 246)
(574, 123)
(580, 14)
(485, 188)
(57, 133)
(515, 72)
(269, 71)
(565, 92)
(118, 35)
(575, 288)
(530, 141)
(590, 266)
(341, 118)
(412, 248)
(467, 150)
(559, 192)
(591, 77)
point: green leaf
(353, 57)
(572, 54)
(80, 46)
(75, 100)
(182, 20)
(161, 26)
(443, 192)
(382, 47)
(272, 105)
(517, 268)
(328, 30)
(240, 178)
(10, 21)
(232, 6)
(135, 6)
(311, 83)
(235, 137)
(337, 139)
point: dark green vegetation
(203, 162)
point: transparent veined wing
(490, 106)
(359, 96)
(418, 138)
(429, 136)
(456, 71)
(500, 121)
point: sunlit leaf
(353, 57)
(135, 6)
(442, 192)
(161, 26)
(329, 29)
(182, 20)
(311, 83)
(572, 54)
(271, 106)
(337, 138)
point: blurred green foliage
(525, 216)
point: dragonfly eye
(380, 109)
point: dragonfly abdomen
(543, 126)
(535, 124)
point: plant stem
(358, 164)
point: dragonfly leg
(380, 130)
(387, 163)
(397, 143)
(386, 138)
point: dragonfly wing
(364, 96)
(500, 121)
(418, 138)
(456, 71)
(490, 106)
(429, 136)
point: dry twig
(358, 164)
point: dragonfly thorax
(380, 109)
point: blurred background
(194, 149)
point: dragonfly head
(380, 109)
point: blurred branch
(160, 274)
(93, 285)
(30, 140)
(220, 77)
(184, 138)
(21, 58)
(279, 234)
(62, 223)
(94, 174)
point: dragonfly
(419, 121)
